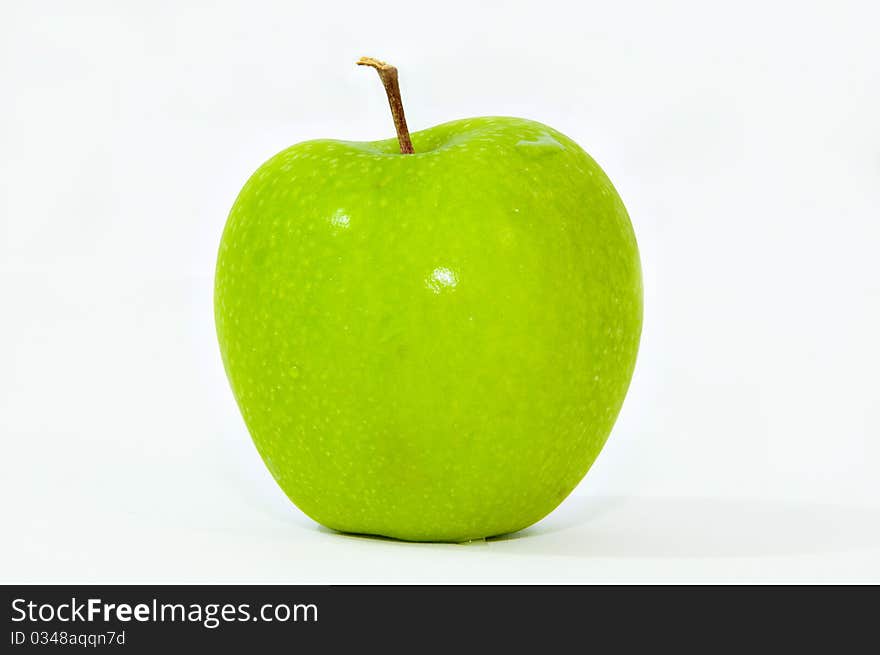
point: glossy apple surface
(431, 346)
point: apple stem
(388, 75)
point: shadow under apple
(617, 527)
(628, 527)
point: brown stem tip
(388, 75)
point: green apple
(430, 346)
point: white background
(743, 137)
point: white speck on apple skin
(442, 279)
(340, 219)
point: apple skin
(430, 347)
